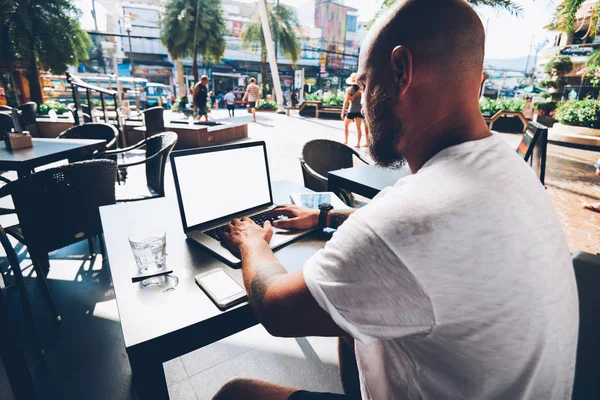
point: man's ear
(402, 68)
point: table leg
(148, 378)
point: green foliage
(44, 31)
(98, 103)
(565, 17)
(491, 107)
(545, 107)
(584, 113)
(548, 84)
(45, 108)
(559, 66)
(329, 99)
(184, 38)
(266, 105)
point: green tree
(41, 34)
(508, 5)
(565, 18)
(556, 69)
(192, 27)
(284, 27)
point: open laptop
(216, 184)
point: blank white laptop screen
(221, 183)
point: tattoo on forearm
(337, 219)
(263, 278)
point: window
(351, 23)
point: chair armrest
(125, 150)
(144, 161)
(311, 171)
(357, 154)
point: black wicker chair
(29, 115)
(321, 156)
(95, 130)
(158, 148)
(6, 108)
(59, 207)
(153, 119)
(6, 125)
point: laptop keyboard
(259, 219)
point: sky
(508, 36)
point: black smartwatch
(325, 208)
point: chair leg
(102, 246)
(41, 263)
(91, 245)
(26, 304)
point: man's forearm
(335, 219)
(260, 269)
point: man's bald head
(420, 60)
(444, 36)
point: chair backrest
(159, 145)
(59, 206)
(6, 124)
(587, 274)
(154, 120)
(533, 148)
(6, 108)
(324, 156)
(96, 130)
(28, 113)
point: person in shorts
(353, 102)
(230, 102)
(200, 98)
(252, 97)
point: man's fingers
(235, 221)
(285, 223)
(267, 225)
(228, 228)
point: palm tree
(40, 34)
(565, 18)
(192, 27)
(284, 27)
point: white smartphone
(222, 289)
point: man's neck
(461, 125)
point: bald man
(465, 287)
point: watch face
(325, 206)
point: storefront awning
(229, 74)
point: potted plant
(266, 105)
(556, 70)
(545, 111)
(577, 117)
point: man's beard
(385, 131)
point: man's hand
(240, 233)
(598, 173)
(298, 217)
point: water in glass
(149, 250)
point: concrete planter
(560, 129)
(574, 135)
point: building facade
(578, 45)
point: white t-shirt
(457, 283)
(229, 98)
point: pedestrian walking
(230, 102)
(252, 97)
(353, 102)
(200, 98)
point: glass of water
(149, 250)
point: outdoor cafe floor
(85, 357)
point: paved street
(570, 178)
